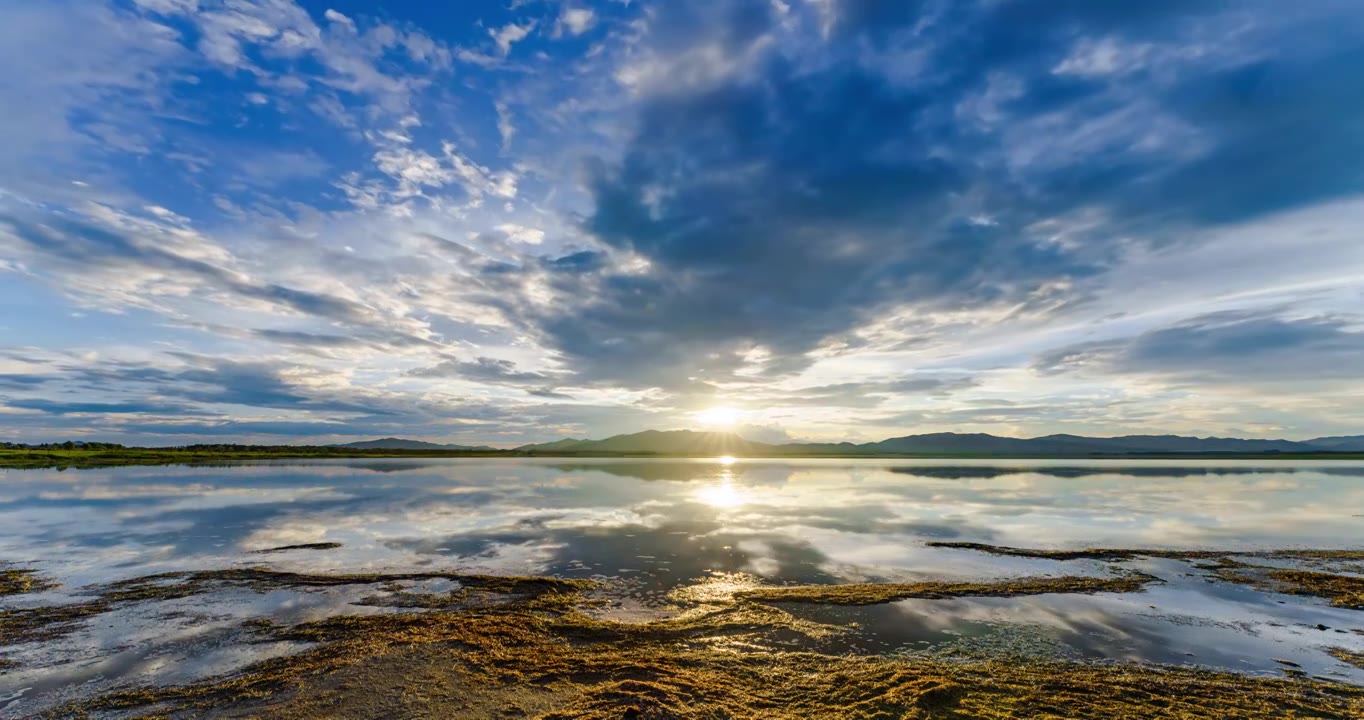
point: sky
(286, 221)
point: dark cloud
(872, 394)
(307, 339)
(245, 428)
(258, 384)
(553, 394)
(812, 192)
(80, 246)
(58, 407)
(21, 380)
(122, 400)
(1273, 118)
(483, 369)
(184, 391)
(1230, 347)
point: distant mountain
(983, 444)
(660, 442)
(1176, 444)
(952, 443)
(565, 444)
(1342, 443)
(687, 442)
(392, 443)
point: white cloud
(505, 128)
(412, 168)
(576, 21)
(521, 233)
(281, 30)
(1104, 56)
(168, 7)
(509, 35)
(339, 19)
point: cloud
(1236, 348)
(509, 35)
(483, 369)
(505, 125)
(111, 59)
(88, 408)
(794, 199)
(866, 394)
(20, 380)
(125, 266)
(1000, 213)
(575, 20)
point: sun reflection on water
(723, 493)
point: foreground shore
(548, 648)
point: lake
(648, 528)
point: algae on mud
(1131, 553)
(1345, 591)
(1347, 656)
(549, 660)
(16, 581)
(875, 593)
(20, 625)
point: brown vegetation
(20, 625)
(1346, 591)
(15, 581)
(1348, 656)
(875, 593)
(536, 654)
(1129, 553)
(520, 661)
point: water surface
(648, 527)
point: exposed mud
(16, 581)
(1130, 553)
(540, 657)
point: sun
(718, 417)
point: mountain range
(392, 443)
(688, 442)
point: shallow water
(652, 526)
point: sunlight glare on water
(657, 531)
(724, 492)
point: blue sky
(281, 221)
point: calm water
(651, 526)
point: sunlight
(723, 495)
(718, 417)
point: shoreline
(42, 459)
(540, 647)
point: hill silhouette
(689, 442)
